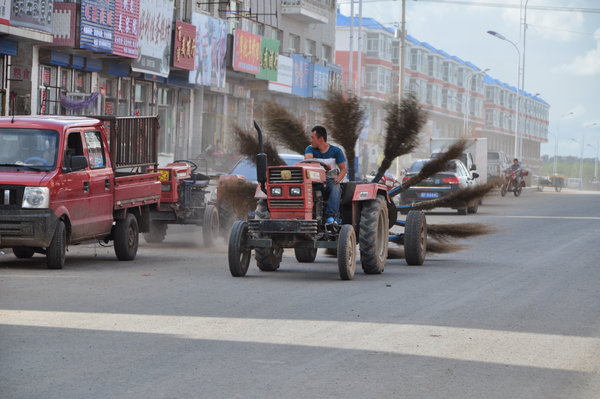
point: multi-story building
(462, 100)
(202, 66)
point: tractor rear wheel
(415, 238)
(226, 218)
(157, 233)
(346, 250)
(305, 255)
(238, 254)
(373, 235)
(210, 225)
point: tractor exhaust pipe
(261, 160)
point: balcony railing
(308, 11)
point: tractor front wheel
(238, 254)
(373, 235)
(346, 251)
(415, 238)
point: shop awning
(8, 47)
(118, 69)
(179, 81)
(92, 65)
(58, 59)
(77, 62)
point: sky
(562, 53)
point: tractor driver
(333, 156)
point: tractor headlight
(276, 191)
(295, 191)
(36, 197)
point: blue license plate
(429, 195)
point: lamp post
(581, 146)
(467, 99)
(556, 140)
(597, 146)
(501, 37)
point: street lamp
(556, 139)
(501, 37)
(581, 145)
(597, 146)
(467, 98)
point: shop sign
(211, 46)
(285, 67)
(301, 76)
(269, 53)
(325, 79)
(5, 6)
(184, 48)
(154, 37)
(64, 23)
(246, 52)
(127, 15)
(36, 15)
(97, 25)
(21, 73)
(108, 108)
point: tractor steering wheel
(192, 164)
(36, 159)
(314, 160)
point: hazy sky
(562, 54)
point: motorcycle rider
(516, 168)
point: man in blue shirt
(334, 157)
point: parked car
(497, 164)
(455, 177)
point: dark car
(456, 176)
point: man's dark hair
(320, 131)
(515, 160)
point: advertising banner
(64, 23)
(325, 79)
(269, 52)
(154, 37)
(302, 76)
(127, 15)
(97, 19)
(285, 67)
(246, 52)
(211, 46)
(5, 6)
(36, 15)
(184, 46)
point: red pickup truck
(66, 180)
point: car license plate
(429, 195)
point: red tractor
(183, 200)
(292, 216)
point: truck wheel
(415, 238)
(346, 249)
(210, 226)
(373, 235)
(226, 219)
(157, 233)
(237, 253)
(268, 259)
(56, 251)
(305, 255)
(126, 238)
(23, 252)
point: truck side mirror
(76, 162)
(473, 167)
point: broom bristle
(459, 230)
(239, 194)
(457, 199)
(442, 247)
(285, 128)
(403, 124)
(247, 145)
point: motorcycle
(513, 181)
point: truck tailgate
(136, 190)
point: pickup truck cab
(59, 185)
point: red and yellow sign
(246, 52)
(185, 46)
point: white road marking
(546, 351)
(548, 217)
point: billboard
(154, 37)
(97, 25)
(184, 46)
(64, 23)
(269, 52)
(285, 67)
(211, 46)
(246, 52)
(5, 6)
(127, 15)
(301, 76)
(36, 15)
(325, 79)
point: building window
(294, 43)
(311, 47)
(327, 53)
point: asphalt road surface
(514, 315)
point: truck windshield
(33, 149)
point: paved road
(516, 315)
